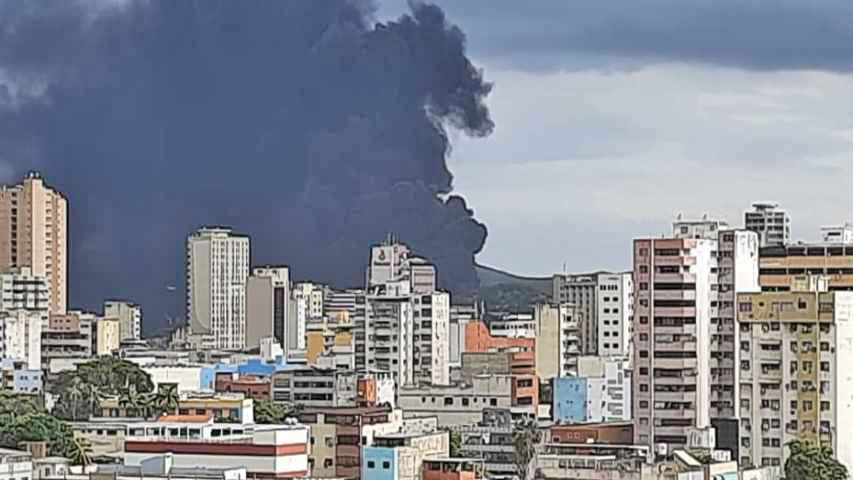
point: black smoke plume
(297, 122)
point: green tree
(269, 412)
(526, 438)
(15, 404)
(810, 461)
(455, 444)
(79, 392)
(36, 427)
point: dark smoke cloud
(294, 121)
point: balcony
(675, 294)
(688, 312)
(680, 346)
(675, 396)
(675, 278)
(676, 363)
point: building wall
(20, 336)
(217, 272)
(479, 339)
(615, 433)
(569, 399)
(129, 315)
(379, 464)
(33, 229)
(187, 378)
(108, 335)
(454, 405)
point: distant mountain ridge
(490, 276)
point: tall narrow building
(129, 316)
(217, 273)
(673, 281)
(34, 234)
(267, 308)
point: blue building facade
(378, 463)
(569, 400)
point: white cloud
(579, 163)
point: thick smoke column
(294, 121)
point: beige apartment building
(558, 339)
(34, 234)
(778, 265)
(107, 336)
(796, 348)
(129, 316)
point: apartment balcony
(674, 260)
(676, 363)
(675, 414)
(683, 380)
(680, 346)
(675, 294)
(675, 396)
(675, 278)
(689, 329)
(688, 312)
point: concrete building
(308, 302)
(558, 340)
(478, 339)
(497, 363)
(20, 336)
(463, 403)
(436, 468)
(268, 451)
(15, 465)
(34, 234)
(705, 227)
(780, 264)
(794, 348)
(21, 290)
(268, 308)
(258, 388)
(737, 272)
(129, 316)
(771, 223)
(187, 378)
(600, 393)
(460, 317)
(837, 233)
(392, 265)
(68, 337)
(594, 461)
(490, 440)
(673, 281)
(338, 436)
(106, 336)
(513, 325)
(400, 456)
(329, 340)
(217, 272)
(314, 386)
(16, 377)
(604, 304)
(231, 407)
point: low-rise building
(452, 469)
(20, 336)
(17, 378)
(338, 435)
(15, 465)
(314, 386)
(497, 363)
(478, 338)
(490, 440)
(234, 407)
(252, 386)
(106, 336)
(513, 325)
(67, 337)
(267, 451)
(187, 378)
(600, 393)
(595, 462)
(463, 403)
(400, 456)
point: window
(745, 307)
(644, 371)
(386, 465)
(644, 354)
(371, 464)
(493, 402)
(644, 269)
(824, 366)
(824, 406)
(644, 387)
(464, 402)
(328, 462)
(644, 320)
(644, 286)
(448, 400)
(644, 404)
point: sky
(612, 118)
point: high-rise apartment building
(268, 308)
(780, 264)
(604, 303)
(34, 234)
(737, 272)
(795, 347)
(129, 316)
(673, 281)
(217, 272)
(308, 302)
(558, 339)
(771, 223)
(392, 266)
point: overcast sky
(612, 117)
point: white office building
(129, 316)
(20, 336)
(217, 273)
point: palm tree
(167, 398)
(525, 439)
(80, 452)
